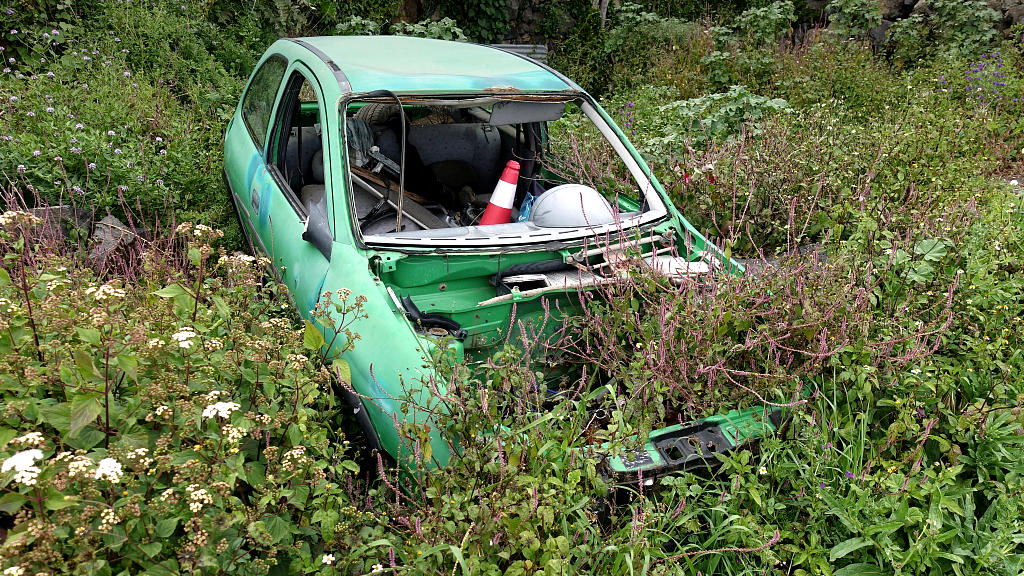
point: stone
(891, 9)
(111, 235)
(1016, 13)
(58, 221)
(880, 33)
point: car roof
(404, 64)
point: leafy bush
(357, 26)
(759, 26)
(444, 29)
(173, 429)
(948, 27)
(715, 117)
(484, 21)
(854, 18)
(63, 139)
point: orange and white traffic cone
(499, 208)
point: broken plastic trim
(432, 320)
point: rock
(111, 235)
(58, 221)
(1016, 14)
(891, 9)
(879, 33)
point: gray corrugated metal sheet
(538, 52)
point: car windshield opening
(490, 170)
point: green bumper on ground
(692, 446)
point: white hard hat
(571, 205)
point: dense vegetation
(166, 414)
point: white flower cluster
(155, 343)
(14, 571)
(141, 457)
(184, 337)
(30, 439)
(199, 231)
(24, 463)
(232, 434)
(105, 292)
(80, 466)
(108, 519)
(198, 497)
(109, 469)
(222, 409)
(166, 494)
(9, 307)
(213, 344)
(297, 362)
(12, 218)
(236, 261)
(57, 283)
(275, 323)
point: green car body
(305, 95)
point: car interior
(455, 152)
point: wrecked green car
(459, 189)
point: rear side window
(259, 98)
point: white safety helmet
(571, 206)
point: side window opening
(299, 154)
(260, 96)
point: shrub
(955, 28)
(444, 29)
(174, 425)
(853, 18)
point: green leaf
(221, 306)
(859, 569)
(845, 547)
(151, 549)
(343, 371)
(312, 339)
(84, 410)
(171, 291)
(11, 502)
(57, 415)
(85, 365)
(932, 249)
(6, 434)
(57, 501)
(89, 436)
(89, 335)
(278, 528)
(129, 365)
(165, 527)
(5, 278)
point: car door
(296, 163)
(245, 145)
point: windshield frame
(656, 211)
